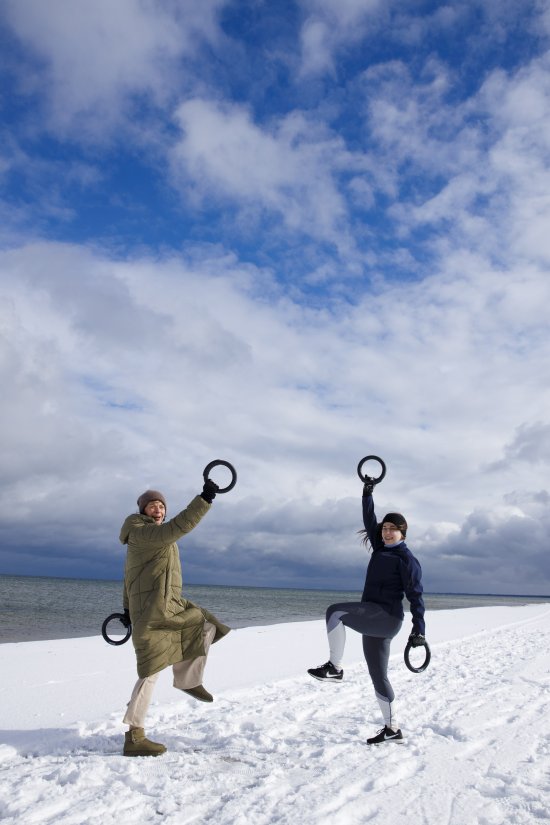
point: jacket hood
(135, 520)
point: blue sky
(286, 234)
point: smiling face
(156, 510)
(390, 533)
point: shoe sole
(148, 753)
(198, 698)
(387, 742)
(325, 679)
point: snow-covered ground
(277, 746)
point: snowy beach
(277, 746)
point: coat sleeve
(125, 599)
(411, 575)
(371, 524)
(156, 536)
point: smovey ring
(367, 478)
(127, 629)
(426, 660)
(230, 467)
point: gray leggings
(377, 627)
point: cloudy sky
(288, 235)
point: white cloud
(286, 169)
(316, 48)
(329, 26)
(92, 58)
(347, 14)
(474, 172)
(331, 29)
(470, 172)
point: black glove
(417, 640)
(368, 486)
(126, 621)
(209, 490)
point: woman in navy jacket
(392, 573)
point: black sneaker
(386, 735)
(326, 673)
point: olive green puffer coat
(166, 628)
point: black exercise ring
(107, 638)
(215, 463)
(365, 478)
(426, 660)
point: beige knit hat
(147, 496)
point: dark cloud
(491, 555)
(531, 444)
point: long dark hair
(366, 540)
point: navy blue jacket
(393, 572)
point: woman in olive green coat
(166, 628)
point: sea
(34, 608)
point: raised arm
(156, 535)
(369, 516)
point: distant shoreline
(288, 587)
(42, 607)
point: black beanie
(397, 519)
(147, 496)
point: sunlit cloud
(286, 170)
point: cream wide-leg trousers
(187, 674)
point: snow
(279, 747)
